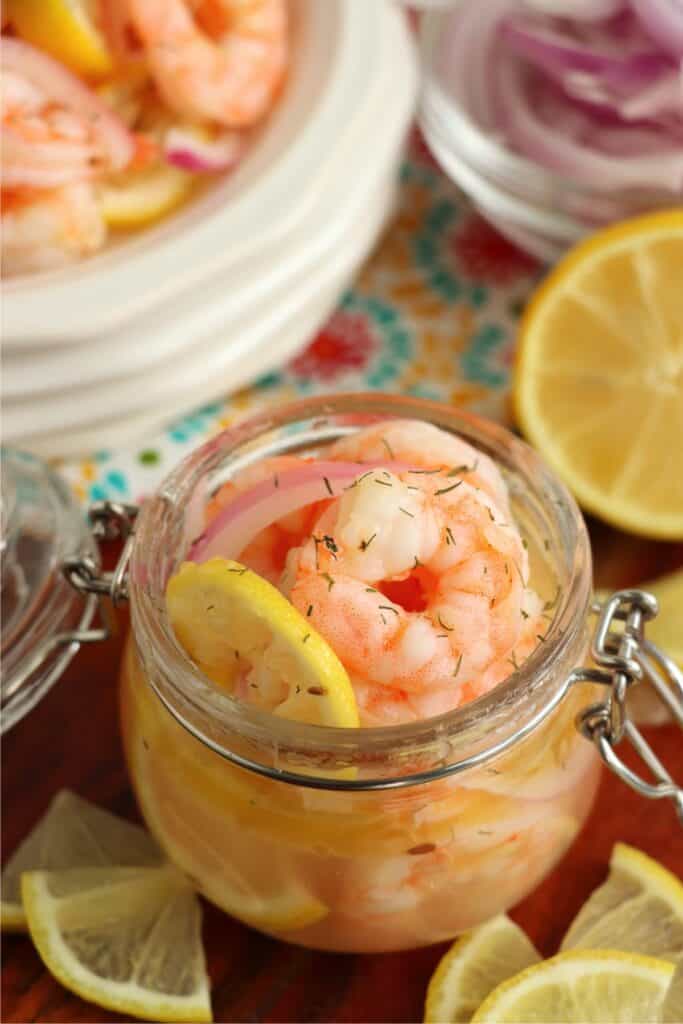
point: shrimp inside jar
(398, 545)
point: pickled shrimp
(417, 581)
(219, 59)
(49, 229)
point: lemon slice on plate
(639, 909)
(582, 987)
(128, 939)
(598, 386)
(73, 833)
(66, 29)
(473, 966)
(240, 630)
(137, 197)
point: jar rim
(214, 716)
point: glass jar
(542, 211)
(371, 839)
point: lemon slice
(598, 386)
(66, 29)
(137, 197)
(582, 987)
(128, 939)
(238, 628)
(473, 966)
(639, 909)
(72, 833)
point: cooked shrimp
(42, 230)
(218, 59)
(422, 444)
(417, 581)
(55, 130)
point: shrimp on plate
(219, 59)
(416, 577)
(57, 138)
(49, 229)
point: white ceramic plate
(334, 43)
(242, 291)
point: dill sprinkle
(443, 624)
(384, 483)
(418, 563)
(371, 590)
(308, 611)
(365, 544)
(305, 638)
(457, 470)
(317, 691)
(330, 581)
(240, 572)
(406, 512)
(210, 607)
(276, 480)
(445, 490)
(539, 636)
(388, 448)
(525, 615)
(328, 485)
(457, 667)
(426, 472)
(450, 539)
(388, 608)
(330, 545)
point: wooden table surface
(72, 740)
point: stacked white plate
(99, 354)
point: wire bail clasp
(109, 520)
(625, 657)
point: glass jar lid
(42, 614)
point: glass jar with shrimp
(414, 766)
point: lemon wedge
(137, 197)
(639, 909)
(73, 833)
(582, 987)
(236, 626)
(598, 385)
(66, 29)
(474, 965)
(128, 939)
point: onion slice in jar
(191, 149)
(59, 85)
(663, 21)
(251, 511)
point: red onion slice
(561, 51)
(548, 128)
(187, 149)
(663, 21)
(580, 10)
(57, 84)
(229, 533)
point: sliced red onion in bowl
(562, 50)
(190, 150)
(581, 10)
(663, 21)
(229, 532)
(543, 124)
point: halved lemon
(137, 197)
(66, 29)
(582, 987)
(474, 965)
(73, 833)
(128, 939)
(598, 385)
(639, 909)
(237, 627)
